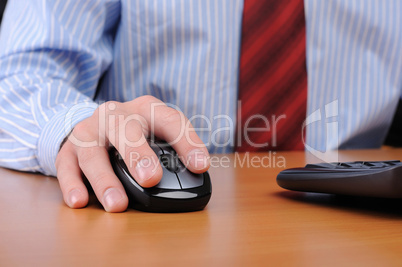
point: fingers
(95, 164)
(172, 126)
(140, 159)
(125, 126)
(126, 134)
(75, 193)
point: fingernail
(145, 169)
(73, 197)
(198, 159)
(111, 197)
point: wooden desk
(249, 220)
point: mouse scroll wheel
(169, 162)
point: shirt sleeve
(52, 55)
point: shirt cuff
(56, 129)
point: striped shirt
(186, 53)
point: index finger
(172, 126)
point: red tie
(273, 77)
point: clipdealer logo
(329, 116)
(324, 119)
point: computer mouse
(178, 191)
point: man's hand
(126, 127)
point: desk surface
(249, 220)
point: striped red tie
(273, 78)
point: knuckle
(85, 156)
(146, 103)
(85, 134)
(108, 106)
(173, 115)
(102, 107)
(81, 127)
(101, 182)
(147, 99)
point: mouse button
(190, 180)
(169, 162)
(167, 149)
(169, 180)
(162, 145)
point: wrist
(57, 130)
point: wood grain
(249, 220)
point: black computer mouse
(178, 191)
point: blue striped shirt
(186, 53)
